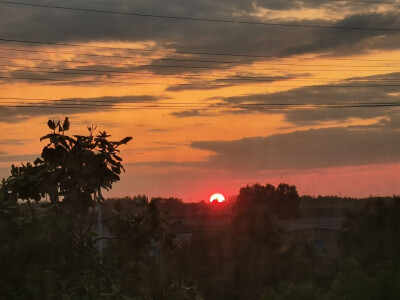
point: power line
(75, 107)
(172, 59)
(182, 52)
(90, 100)
(194, 67)
(226, 21)
(189, 84)
(121, 82)
(47, 100)
(83, 81)
(220, 78)
(87, 105)
(287, 106)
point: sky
(216, 94)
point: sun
(217, 197)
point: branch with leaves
(71, 169)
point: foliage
(238, 261)
(70, 171)
(283, 200)
(252, 258)
(179, 290)
(349, 283)
(368, 266)
(138, 252)
(373, 234)
(48, 249)
(287, 290)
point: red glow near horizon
(217, 197)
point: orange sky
(288, 104)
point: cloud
(195, 86)
(318, 148)
(347, 42)
(79, 27)
(67, 106)
(12, 142)
(370, 89)
(71, 73)
(245, 78)
(192, 113)
(393, 122)
(158, 129)
(355, 145)
(291, 4)
(158, 164)
(17, 158)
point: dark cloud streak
(309, 149)
(70, 106)
(333, 95)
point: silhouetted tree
(283, 201)
(48, 249)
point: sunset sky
(216, 94)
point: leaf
(125, 140)
(66, 124)
(37, 161)
(116, 170)
(47, 136)
(117, 157)
(61, 139)
(51, 124)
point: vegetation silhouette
(48, 249)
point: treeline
(253, 258)
(173, 207)
(282, 200)
(334, 206)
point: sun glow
(217, 197)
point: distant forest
(303, 206)
(252, 257)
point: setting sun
(217, 197)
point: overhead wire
(192, 103)
(182, 52)
(231, 78)
(170, 17)
(175, 59)
(194, 67)
(191, 84)
(90, 100)
(82, 102)
(221, 79)
(89, 105)
(286, 106)
(82, 81)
